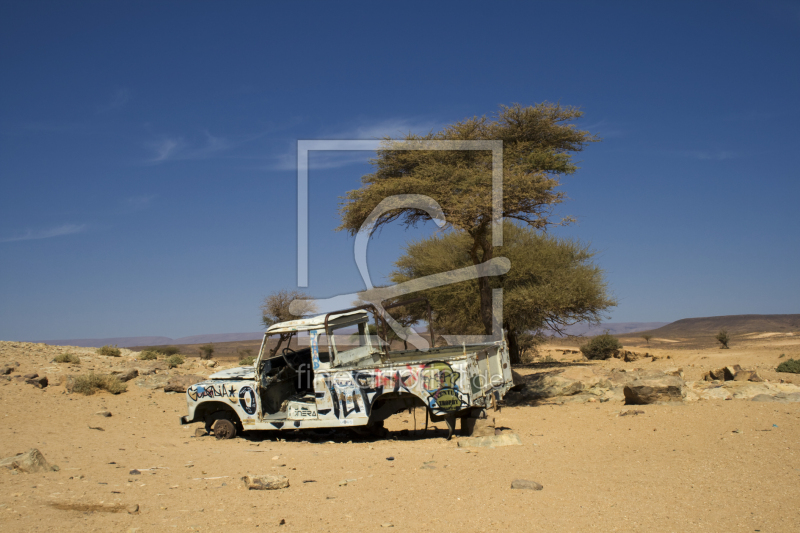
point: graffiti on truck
(200, 391)
(353, 393)
(440, 383)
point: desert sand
(700, 466)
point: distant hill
(615, 328)
(689, 328)
(129, 342)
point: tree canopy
(538, 144)
(552, 283)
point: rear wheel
(224, 429)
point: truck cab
(338, 375)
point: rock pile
(29, 462)
(638, 387)
(732, 373)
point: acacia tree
(552, 283)
(538, 143)
(647, 338)
(723, 338)
(276, 309)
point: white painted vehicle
(344, 380)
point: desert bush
(781, 356)
(548, 359)
(109, 350)
(162, 350)
(247, 360)
(206, 351)
(67, 358)
(148, 355)
(174, 360)
(91, 383)
(601, 347)
(723, 338)
(791, 366)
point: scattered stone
(748, 375)
(29, 462)
(631, 412)
(730, 373)
(494, 441)
(524, 484)
(211, 364)
(265, 482)
(674, 372)
(387, 524)
(127, 375)
(134, 472)
(38, 382)
(657, 390)
(478, 427)
(390, 458)
(133, 509)
(762, 398)
(283, 521)
(630, 357)
(566, 382)
(6, 370)
(200, 432)
(717, 393)
(181, 383)
(103, 413)
(31, 376)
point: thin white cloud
(165, 148)
(178, 148)
(58, 231)
(603, 128)
(319, 159)
(118, 99)
(395, 128)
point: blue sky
(147, 150)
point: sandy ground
(705, 466)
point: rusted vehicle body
(348, 380)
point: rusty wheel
(224, 429)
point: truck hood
(242, 372)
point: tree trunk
(513, 346)
(481, 241)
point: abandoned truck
(344, 381)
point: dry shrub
(67, 358)
(601, 347)
(148, 355)
(174, 360)
(109, 350)
(91, 383)
(791, 366)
